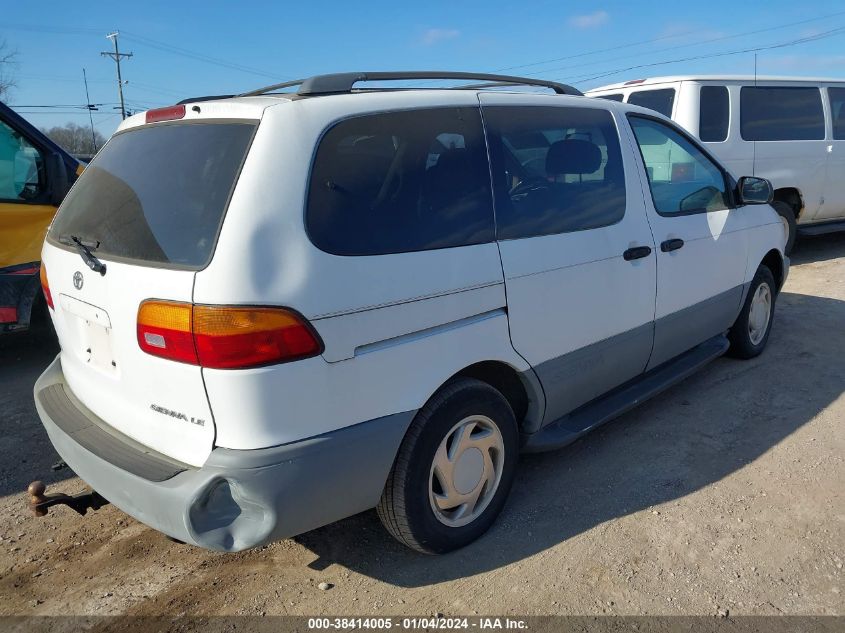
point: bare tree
(74, 138)
(8, 63)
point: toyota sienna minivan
(283, 308)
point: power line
(176, 50)
(595, 52)
(82, 107)
(68, 112)
(795, 42)
(147, 41)
(680, 46)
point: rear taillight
(170, 113)
(45, 287)
(224, 337)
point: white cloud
(590, 20)
(433, 36)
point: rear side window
(837, 110)
(781, 114)
(658, 100)
(555, 169)
(714, 114)
(401, 181)
(613, 97)
(157, 194)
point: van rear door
(149, 207)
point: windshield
(157, 194)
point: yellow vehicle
(35, 175)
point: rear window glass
(714, 114)
(401, 181)
(781, 114)
(658, 100)
(837, 110)
(157, 194)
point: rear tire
(454, 469)
(750, 332)
(787, 215)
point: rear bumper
(239, 498)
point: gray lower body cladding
(239, 498)
(587, 374)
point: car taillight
(224, 337)
(169, 113)
(164, 329)
(45, 287)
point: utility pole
(90, 107)
(117, 56)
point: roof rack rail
(340, 83)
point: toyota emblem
(77, 280)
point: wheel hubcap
(466, 471)
(760, 313)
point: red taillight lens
(169, 113)
(247, 337)
(223, 337)
(45, 287)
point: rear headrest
(572, 156)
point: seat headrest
(572, 156)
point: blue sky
(232, 47)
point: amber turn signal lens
(224, 337)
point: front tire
(454, 469)
(790, 224)
(750, 332)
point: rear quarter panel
(395, 327)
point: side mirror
(753, 190)
(57, 179)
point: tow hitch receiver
(40, 503)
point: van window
(781, 114)
(714, 113)
(682, 179)
(157, 194)
(22, 175)
(837, 110)
(613, 97)
(555, 169)
(401, 181)
(658, 100)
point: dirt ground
(723, 494)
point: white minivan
(283, 308)
(789, 130)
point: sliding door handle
(671, 245)
(637, 252)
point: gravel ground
(725, 494)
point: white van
(789, 130)
(280, 309)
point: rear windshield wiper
(87, 256)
